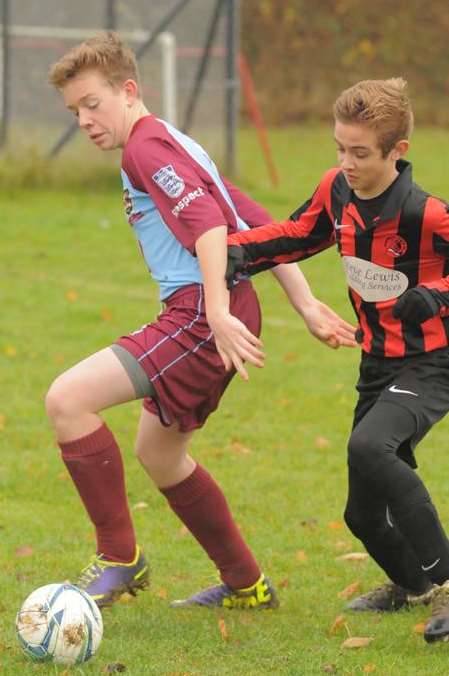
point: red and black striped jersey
(405, 245)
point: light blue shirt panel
(169, 263)
(199, 155)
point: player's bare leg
(94, 461)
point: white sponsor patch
(167, 179)
(373, 282)
(185, 201)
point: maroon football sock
(202, 507)
(96, 467)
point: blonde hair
(382, 105)
(104, 52)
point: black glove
(237, 262)
(417, 305)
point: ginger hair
(104, 52)
(382, 105)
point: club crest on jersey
(167, 179)
(395, 245)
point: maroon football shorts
(178, 355)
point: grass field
(72, 281)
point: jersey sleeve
(439, 218)
(250, 211)
(180, 194)
(308, 231)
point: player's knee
(358, 523)
(364, 451)
(59, 400)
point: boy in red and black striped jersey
(394, 242)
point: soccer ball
(59, 623)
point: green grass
(72, 281)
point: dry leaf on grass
(350, 590)
(342, 544)
(223, 629)
(284, 583)
(183, 531)
(106, 314)
(335, 525)
(114, 668)
(301, 556)
(338, 623)
(357, 642)
(2, 422)
(140, 505)
(10, 351)
(161, 593)
(353, 556)
(369, 668)
(419, 628)
(239, 448)
(330, 669)
(25, 550)
(322, 442)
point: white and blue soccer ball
(59, 623)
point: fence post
(232, 84)
(4, 72)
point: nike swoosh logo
(432, 565)
(339, 226)
(395, 389)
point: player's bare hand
(328, 326)
(235, 343)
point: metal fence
(187, 52)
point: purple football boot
(105, 581)
(260, 595)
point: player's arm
(320, 319)
(431, 297)
(235, 343)
(322, 322)
(308, 231)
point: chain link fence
(186, 50)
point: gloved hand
(237, 262)
(417, 305)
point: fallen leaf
(353, 556)
(114, 667)
(106, 314)
(161, 593)
(58, 358)
(284, 583)
(140, 505)
(301, 556)
(10, 351)
(183, 531)
(284, 402)
(63, 476)
(349, 591)
(338, 623)
(237, 447)
(25, 550)
(71, 295)
(335, 525)
(309, 523)
(330, 669)
(290, 357)
(342, 544)
(419, 628)
(369, 668)
(357, 642)
(322, 442)
(2, 422)
(223, 629)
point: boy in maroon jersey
(394, 242)
(181, 210)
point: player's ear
(400, 149)
(131, 91)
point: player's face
(103, 111)
(360, 157)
